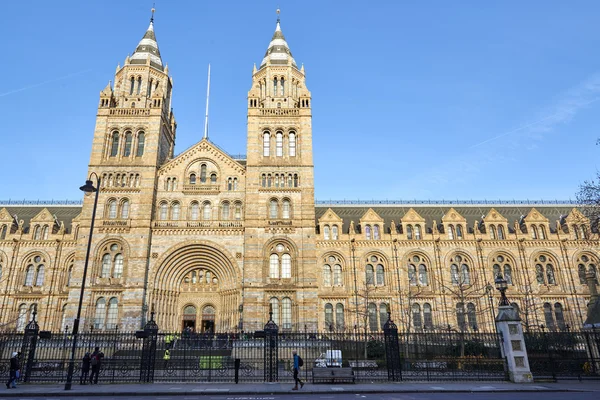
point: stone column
(508, 324)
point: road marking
(437, 388)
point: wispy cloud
(43, 83)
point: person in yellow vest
(167, 357)
(168, 340)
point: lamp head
(88, 188)
(501, 283)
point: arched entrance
(189, 319)
(208, 319)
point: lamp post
(489, 289)
(502, 285)
(88, 189)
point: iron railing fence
(564, 355)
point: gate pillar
(512, 344)
(148, 359)
(271, 350)
(392, 350)
(29, 346)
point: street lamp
(502, 285)
(87, 189)
(489, 289)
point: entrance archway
(189, 318)
(208, 319)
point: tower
(134, 135)
(280, 258)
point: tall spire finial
(207, 98)
(152, 10)
(278, 12)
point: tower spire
(278, 51)
(148, 48)
(207, 98)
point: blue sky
(411, 100)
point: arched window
(118, 269)
(534, 232)
(427, 316)
(292, 144)
(285, 209)
(550, 274)
(125, 209)
(339, 317)
(69, 275)
(100, 315)
(460, 317)
(368, 232)
(296, 182)
(206, 211)
(22, 318)
(376, 232)
(3, 232)
(328, 316)
(274, 304)
(279, 144)
(409, 232)
(459, 275)
(412, 275)
(139, 85)
(466, 275)
(112, 209)
(131, 85)
(327, 275)
(548, 316)
(37, 233)
(274, 266)
(282, 81)
(235, 183)
(501, 235)
(175, 211)
(450, 232)
(423, 278)
(380, 275)
(472, 316)
(581, 270)
(559, 316)
(45, 232)
(192, 179)
(286, 266)
(543, 232)
(266, 144)
(128, 140)
(539, 274)
(29, 272)
(140, 145)
(237, 213)
(492, 232)
(370, 278)
(326, 234)
(459, 231)
(273, 206)
(337, 275)
(334, 232)
(203, 173)
(39, 279)
(508, 274)
(274, 87)
(106, 266)
(454, 274)
(418, 232)
(286, 313)
(194, 211)
(114, 147)
(63, 320)
(213, 178)
(372, 312)
(416, 316)
(383, 316)
(113, 312)
(163, 211)
(225, 211)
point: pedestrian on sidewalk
(298, 362)
(85, 368)
(14, 371)
(167, 358)
(96, 363)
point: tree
(588, 198)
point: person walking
(14, 371)
(96, 362)
(167, 358)
(85, 368)
(298, 362)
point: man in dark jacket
(95, 362)
(14, 367)
(85, 368)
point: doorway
(208, 319)
(189, 319)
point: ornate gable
(5, 215)
(453, 216)
(535, 216)
(201, 149)
(576, 217)
(370, 217)
(412, 216)
(330, 216)
(43, 216)
(494, 216)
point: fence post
(512, 344)
(392, 350)
(148, 360)
(29, 346)
(271, 350)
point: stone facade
(213, 242)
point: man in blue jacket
(297, 366)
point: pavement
(191, 389)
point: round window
(37, 259)
(114, 247)
(584, 258)
(500, 258)
(542, 258)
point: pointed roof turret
(148, 48)
(278, 51)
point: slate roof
(63, 213)
(278, 51)
(148, 47)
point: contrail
(44, 83)
(535, 122)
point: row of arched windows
(205, 176)
(334, 321)
(127, 144)
(538, 232)
(413, 232)
(279, 88)
(497, 232)
(112, 261)
(584, 265)
(279, 180)
(25, 315)
(282, 312)
(200, 211)
(466, 318)
(544, 271)
(34, 272)
(372, 233)
(117, 208)
(280, 262)
(280, 210)
(580, 231)
(41, 232)
(120, 179)
(421, 318)
(279, 137)
(377, 320)
(330, 233)
(555, 319)
(455, 232)
(135, 86)
(106, 316)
